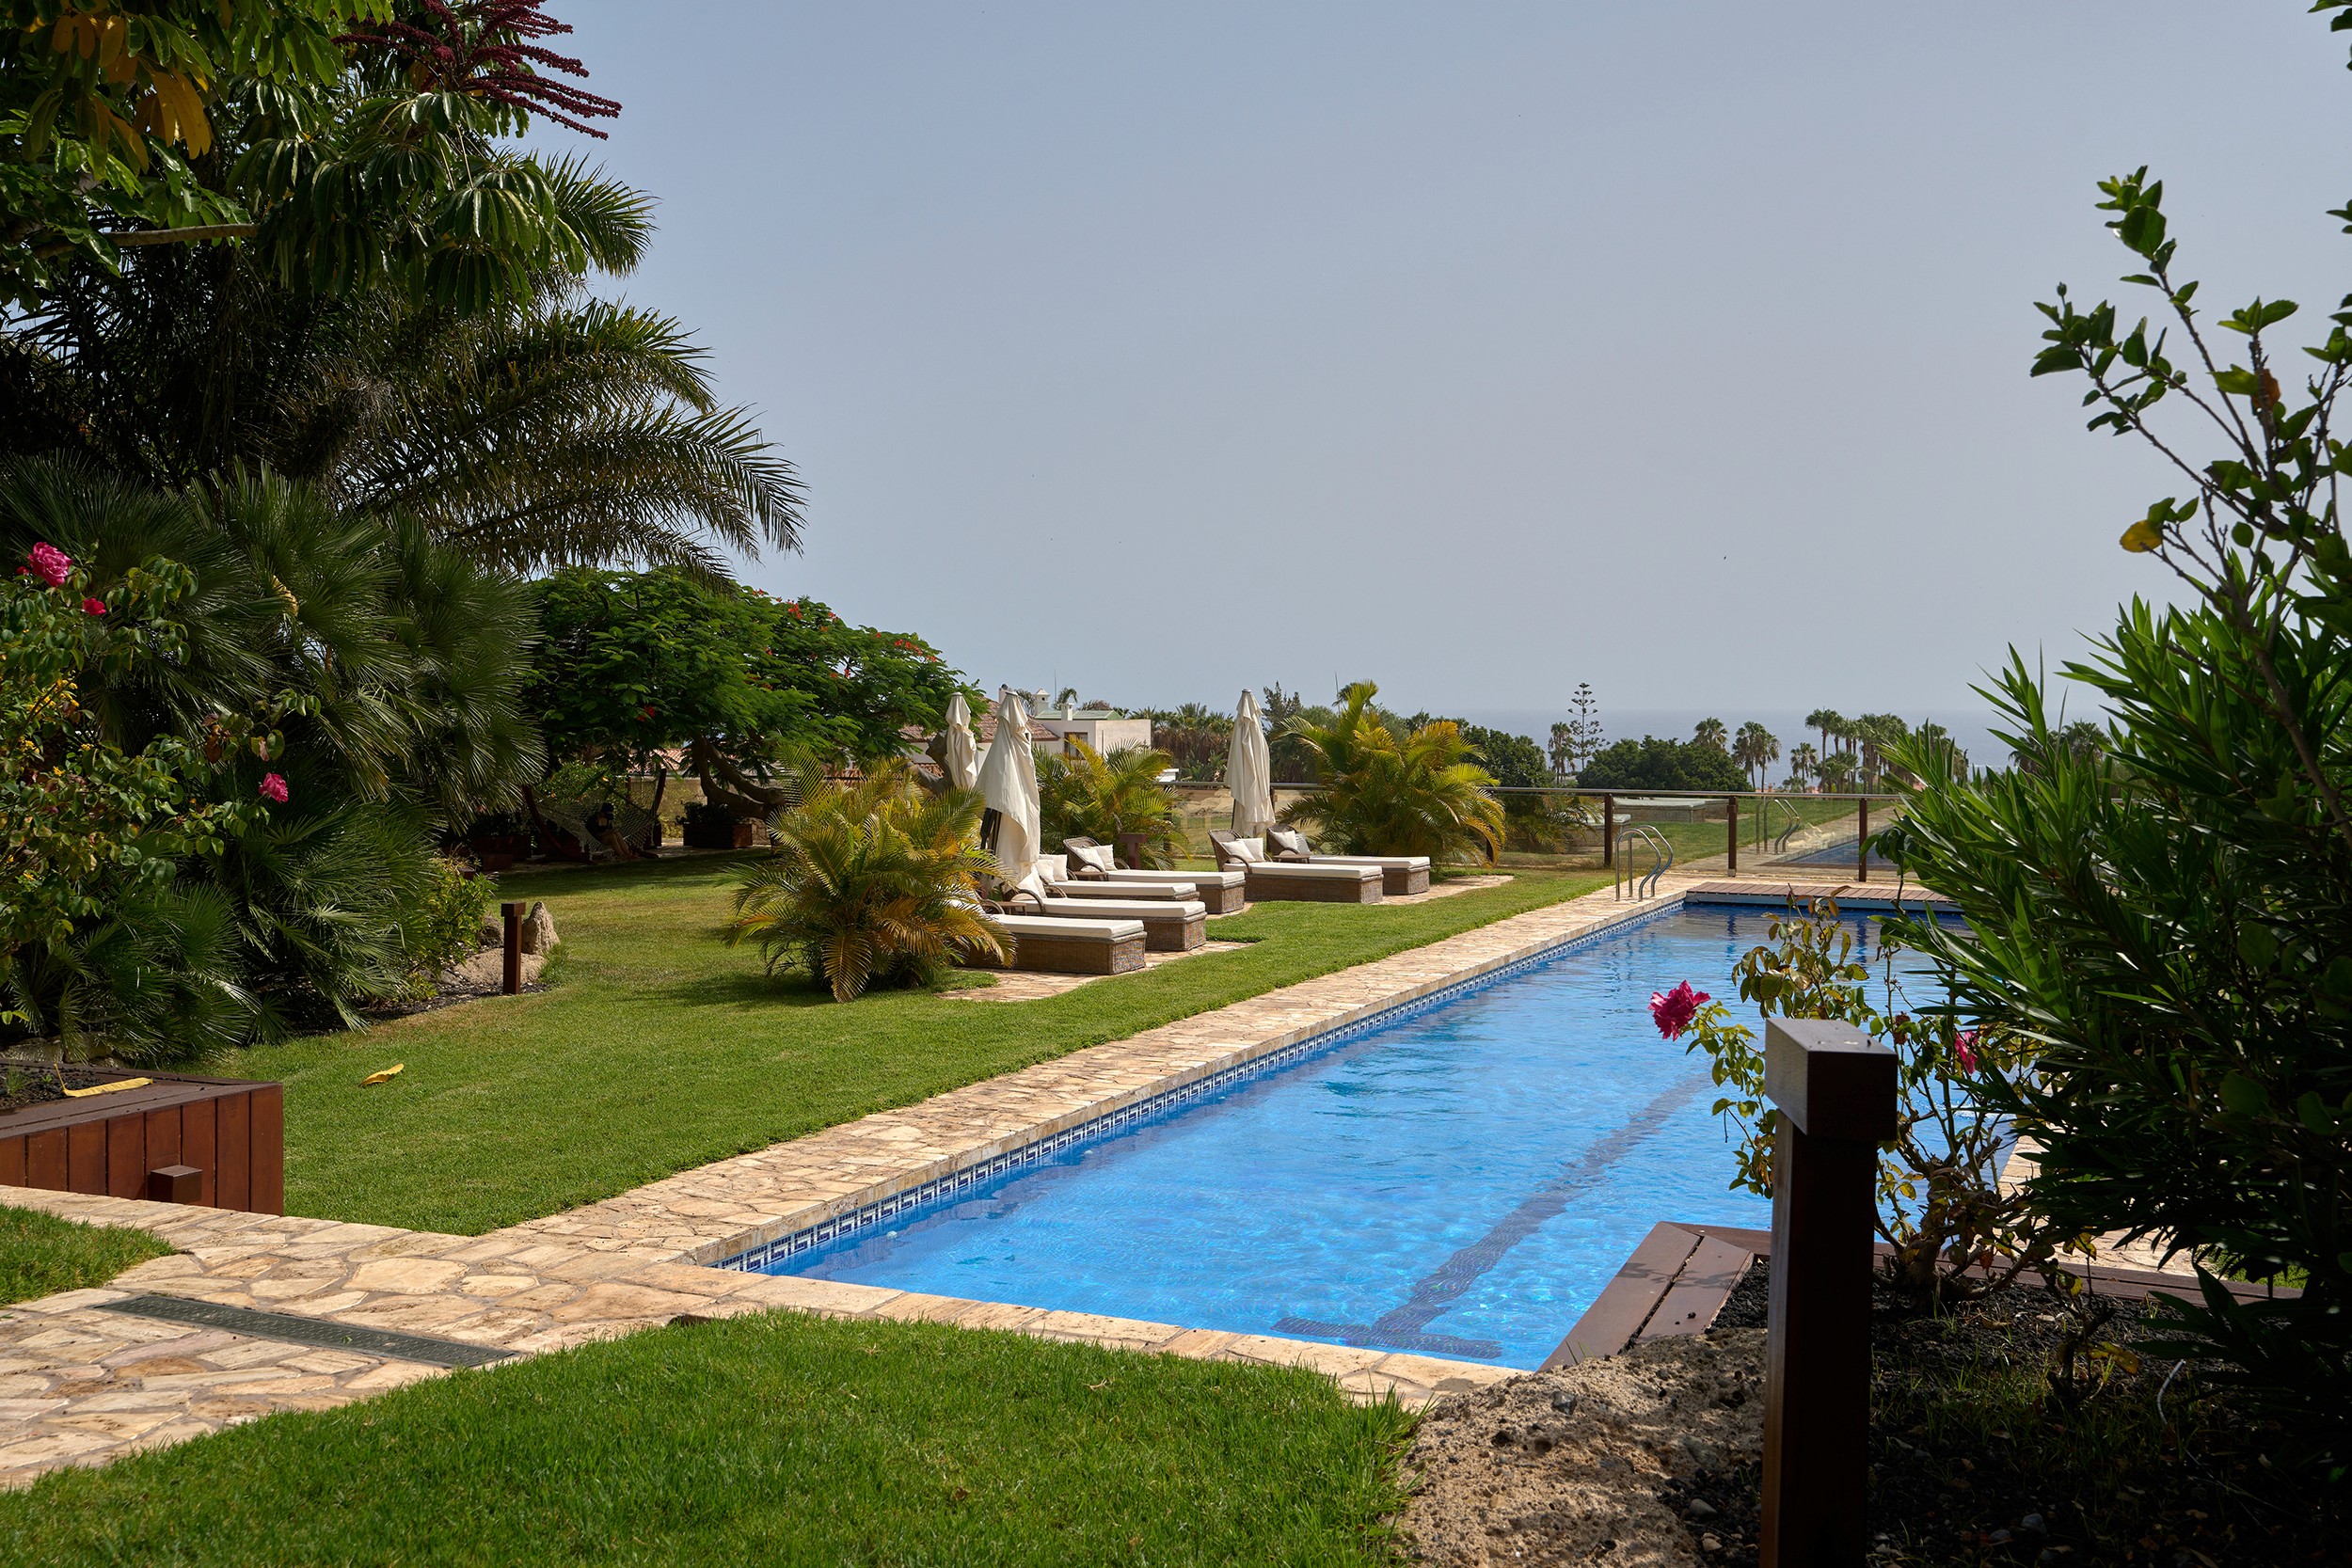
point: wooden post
(1862, 842)
(1731, 830)
(1835, 1094)
(512, 984)
(1608, 832)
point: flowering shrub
(84, 824)
(1940, 1198)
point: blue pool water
(1460, 1181)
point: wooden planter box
(229, 1131)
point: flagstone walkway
(80, 1384)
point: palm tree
(1836, 774)
(1826, 719)
(539, 427)
(871, 882)
(1756, 749)
(1803, 761)
(1710, 732)
(1378, 795)
(1106, 797)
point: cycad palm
(870, 881)
(1377, 795)
(1106, 796)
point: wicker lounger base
(1076, 950)
(1169, 928)
(1401, 876)
(1314, 885)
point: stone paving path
(81, 1386)
(722, 1209)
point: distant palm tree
(1826, 719)
(1836, 774)
(1756, 749)
(1710, 733)
(1803, 761)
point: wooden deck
(1677, 1279)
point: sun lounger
(1054, 874)
(1169, 926)
(1401, 876)
(1062, 946)
(1223, 892)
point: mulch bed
(2025, 1429)
(23, 1083)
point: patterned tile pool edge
(756, 1259)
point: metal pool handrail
(1662, 859)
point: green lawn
(656, 1049)
(772, 1440)
(42, 1255)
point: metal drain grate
(308, 1331)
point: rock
(538, 930)
(1700, 1508)
(2032, 1524)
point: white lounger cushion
(1177, 878)
(1092, 890)
(1136, 909)
(1322, 869)
(1105, 931)
(1406, 863)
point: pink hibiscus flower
(1672, 1010)
(50, 563)
(93, 607)
(274, 788)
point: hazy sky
(1476, 349)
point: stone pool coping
(731, 1208)
(80, 1384)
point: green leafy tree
(108, 118)
(1651, 763)
(636, 665)
(871, 882)
(1376, 794)
(1105, 797)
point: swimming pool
(1460, 1179)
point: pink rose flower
(93, 607)
(1672, 1010)
(50, 563)
(274, 788)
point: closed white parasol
(1009, 785)
(963, 753)
(1250, 770)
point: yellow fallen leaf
(380, 1077)
(109, 1088)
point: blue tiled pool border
(757, 1260)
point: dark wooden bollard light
(1862, 839)
(1731, 833)
(512, 982)
(1835, 1093)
